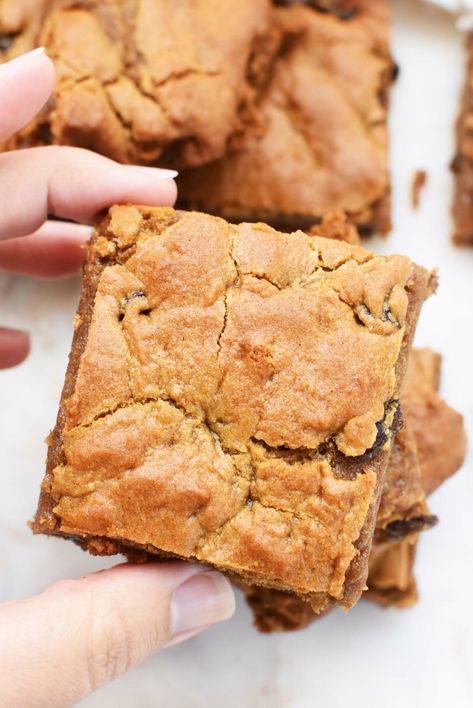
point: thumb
(61, 645)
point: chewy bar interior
(231, 397)
(323, 139)
(434, 448)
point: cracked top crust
(323, 138)
(152, 74)
(233, 398)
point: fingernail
(156, 172)
(29, 55)
(203, 599)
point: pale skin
(76, 635)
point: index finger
(25, 86)
(73, 184)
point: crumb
(419, 181)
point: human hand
(68, 183)
(59, 646)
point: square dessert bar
(323, 139)
(231, 398)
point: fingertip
(14, 347)
(194, 596)
(48, 70)
(35, 58)
(26, 84)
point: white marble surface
(369, 658)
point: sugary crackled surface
(153, 73)
(220, 362)
(323, 143)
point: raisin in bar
(323, 142)
(155, 80)
(231, 398)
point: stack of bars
(235, 395)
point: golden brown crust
(323, 143)
(155, 79)
(207, 412)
